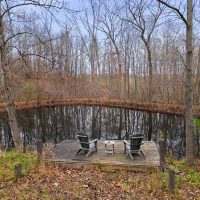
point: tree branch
(33, 3)
(176, 10)
(21, 33)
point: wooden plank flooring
(65, 154)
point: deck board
(65, 153)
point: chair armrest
(93, 141)
(127, 145)
(126, 142)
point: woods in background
(129, 49)
(104, 49)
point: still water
(64, 122)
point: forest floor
(153, 107)
(55, 183)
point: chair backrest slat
(84, 141)
(136, 141)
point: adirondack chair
(86, 145)
(133, 146)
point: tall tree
(111, 26)
(188, 21)
(143, 16)
(7, 85)
(8, 12)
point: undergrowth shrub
(9, 159)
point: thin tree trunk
(150, 130)
(150, 68)
(8, 90)
(189, 84)
(198, 80)
(120, 126)
(150, 89)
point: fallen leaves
(55, 183)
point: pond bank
(154, 107)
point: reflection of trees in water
(62, 122)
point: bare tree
(111, 26)
(188, 79)
(198, 79)
(143, 16)
(89, 20)
(7, 34)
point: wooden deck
(65, 155)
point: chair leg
(142, 153)
(78, 152)
(96, 146)
(124, 148)
(89, 152)
(130, 154)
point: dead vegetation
(55, 183)
(153, 107)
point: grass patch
(9, 159)
(165, 178)
(189, 174)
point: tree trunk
(8, 90)
(119, 65)
(150, 89)
(188, 86)
(150, 68)
(198, 80)
(150, 130)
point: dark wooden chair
(86, 145)
(133, 146)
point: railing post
(162, 155)
(18, 170)
(39, 152)
(171, 180)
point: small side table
(109, 147)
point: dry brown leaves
(55, 183)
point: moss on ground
(9, 159)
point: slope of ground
(55, 183)
(51, 182)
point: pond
(64, 122)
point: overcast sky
(74, 4)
